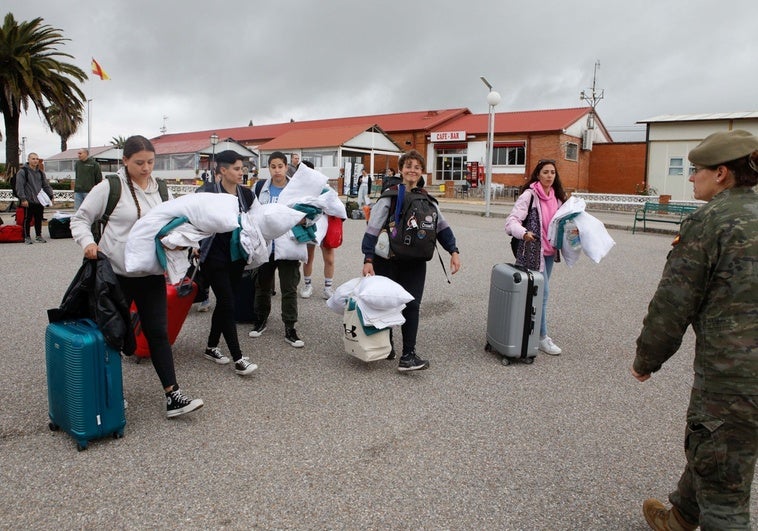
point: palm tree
(64, 124)
(31, 71)
(118, 142)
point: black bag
(528, 254)
(244, 298)
(414, 236)
(59, 228)
(515, 241)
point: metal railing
(67, 196)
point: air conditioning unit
(587, 140)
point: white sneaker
(328, 292)
(307, 291)
(548, 347)
(204, 306)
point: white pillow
(381, 293)
(274, 219)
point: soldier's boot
(662, 519)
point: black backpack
(12, 181)
(414, 236)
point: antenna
(593, 98)
(163, 127)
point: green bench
(661, 213)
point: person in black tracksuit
(222, 271)
(410, 274)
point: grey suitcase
(515, 312)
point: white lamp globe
(493, 98)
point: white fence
(67, 196)
(623, 201)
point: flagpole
(89, 125)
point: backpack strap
(114, 194)
(258, 187)
(162, 189)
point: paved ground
(318, 440)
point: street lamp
(493, 98)
(214, 141)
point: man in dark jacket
(87, 174)
(30, 181)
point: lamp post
(493, 98)
(214, 141)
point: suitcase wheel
(505, 361)
(81, 446)
(118, 434)
(528, 361)
(488, 347)
(53, 427)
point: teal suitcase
(84, 384)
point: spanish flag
(98, 70)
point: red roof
(333, 131)
(519, 121)
(391, 123)
(164, 146)
(322, 137)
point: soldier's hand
(638, 376)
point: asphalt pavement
(315, 439)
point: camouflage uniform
(711, 282)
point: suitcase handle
(184, 287)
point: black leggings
(34, 210)
(149, 294)
(224, 280)
(411, 275)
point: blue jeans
(78, 198)
(549, 260)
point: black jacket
(95, 293)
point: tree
(118, 142)
(64, 124)
(32, 71)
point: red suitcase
(20, 217)
(11, 234)
(179, 299)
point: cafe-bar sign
(449, 136)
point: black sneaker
(177, 403)
(40, 239)
(214, 354)
(290, 336)
(243, 366)
(258, 329)
(411, 362)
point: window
(321, 159)
(450, 164)
(572, 151)
(676, 166)
(513, 155)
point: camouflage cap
(723, 146)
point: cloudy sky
(207, 65)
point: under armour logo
(350, 333)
